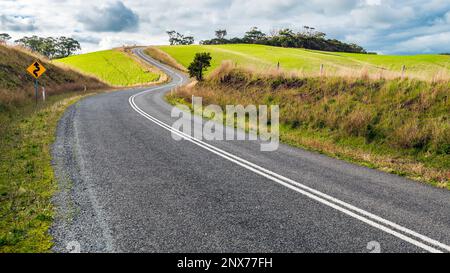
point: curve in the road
(126, 185)
(387, 226)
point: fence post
(321, 69)
(403, 71)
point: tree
(201, 62)
(254, 35)
(286, 38)
(34, 43)
(219, 40)
(308, 31)
(187, 40)
(51, 47)
(4, 37)
(173, 39)
(67, 46)
(308, 37)
(221, 33)
(48, 47)
(176, 38)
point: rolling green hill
(114, 67)
(309, 61)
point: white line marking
(323, 198)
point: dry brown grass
(357, 122)
(411, 135)
(400, 126)
(365, 72)
(222, 71)
(163, 57)
(27, 51)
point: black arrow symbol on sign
(38, 68)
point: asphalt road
(128, 186)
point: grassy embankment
(17, 86)
(398, 126)
(308, 62)
(27, 182)
(116, 67)
(27, 131)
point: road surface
(128, 186)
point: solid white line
(303, 189)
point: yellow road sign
(36, 69)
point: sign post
(36, 70)
(36, 89)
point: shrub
(440, 140)
(357, 122)
(411, 135)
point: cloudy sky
(383, 26)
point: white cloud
(112, 17)
(389, 26)
(17, 23)
(427, 44)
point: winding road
(127, 186)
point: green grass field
(264, 57)
(112, 66)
